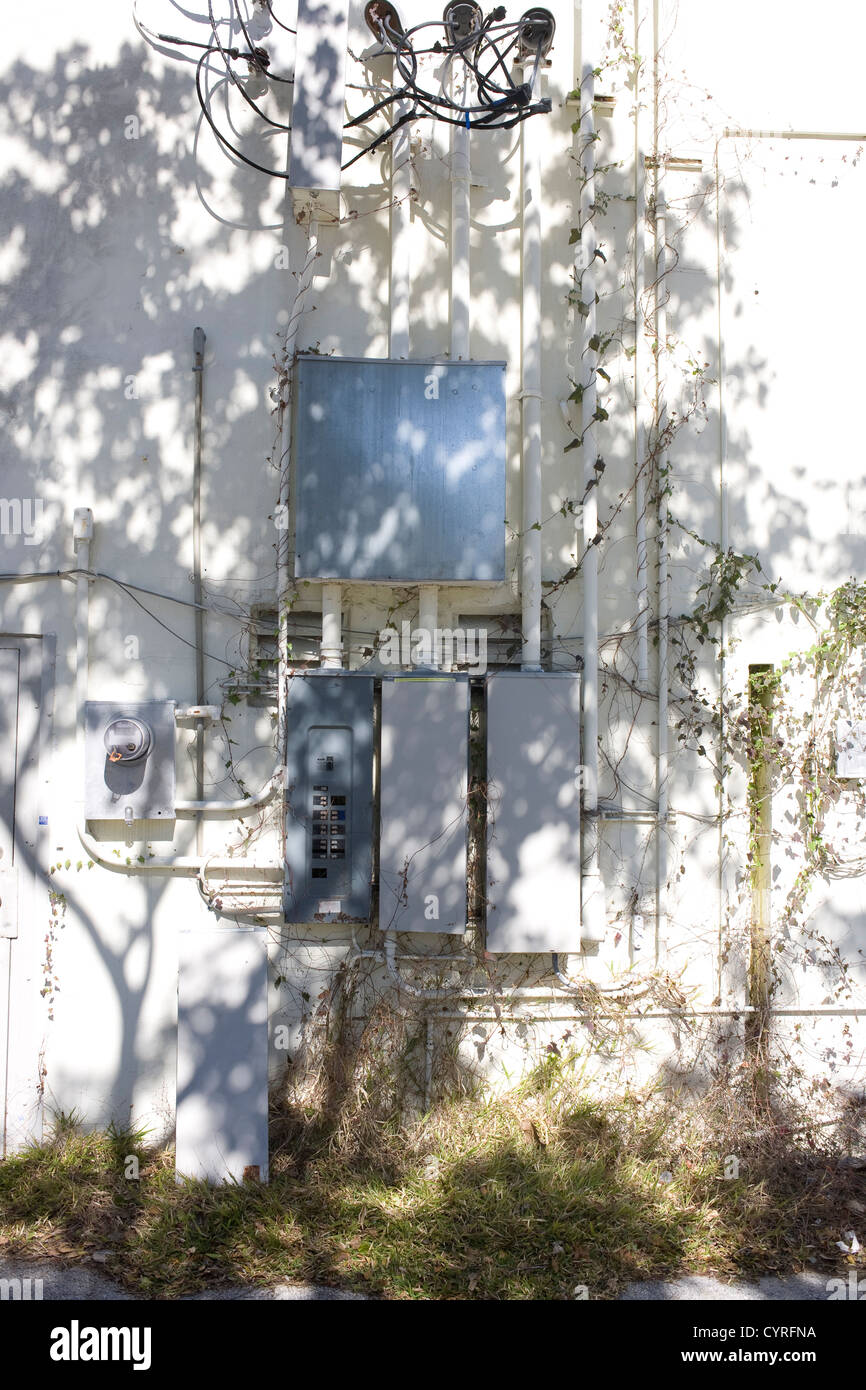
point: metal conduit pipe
(661, 329)
(460, 222)
(179, 866)
(428, 620)
(296, 313)
(332, 627)
(530, 248)
(198, 344)
(234, 808)
(641, 421)
(401, 195)
(592, 906)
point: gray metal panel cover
(329, 768)
(399, 470)
(222, 1053)
(422, 864)
(533, 812)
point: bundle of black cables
(482, 44)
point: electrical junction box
(424, 783)
(399, 470)
(329, 797)
(533, 811)
(851, 749)
(129, 760)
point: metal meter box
(329, 797)
(399, 470)
(129, 760)
(533, 811)
(422, 855)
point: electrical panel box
(399, 470)
(533, 812)
(329, 797)
(129, 760)
(222, 1054)
(422, 856)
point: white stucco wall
(118, 247)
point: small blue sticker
(43, 820)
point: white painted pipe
(460, 230)
(592, 907)
(733, 133)
(401, 191)
(642, 412)
(82, 641)
(456, 993)
(284, 578)
(661, 332)
(428, 621)
(235, 808)
(179, 866)
(530, 246)
(332, 627)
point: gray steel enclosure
(422, 865)
(399, 470)
(533, 812)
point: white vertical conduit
(641, 423)
(304, 281)
(663, 577)
(592, 908)
(82, 640)
(530, 246)
(332, 627)
(460, 214)
(401, 191)
(428, 619)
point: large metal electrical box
(222, 1054)
(533, 812)
(329, 797)
(422, 858)
(129, 760)
(399, 470)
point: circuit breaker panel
(533, 812)
(422, 858)
(329, 790)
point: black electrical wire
(251, 57)
(497, 107)
(274, 173)
(278, 21)
(260, 53)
